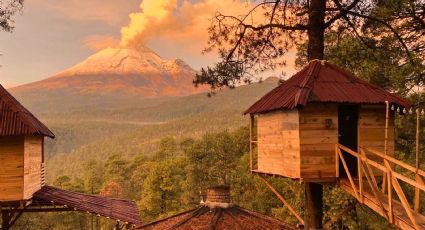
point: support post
(387, 116)
(251, 144)
(313, 205)
(5, 220)
(417, 177)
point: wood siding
(318, 142)
(297, 143)
(11, 168)
(20, 169)
(279, 143)
(372, 128)
(32, 168)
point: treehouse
(22, 187)
(21, 150)
(300, 122)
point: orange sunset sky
(52, 35)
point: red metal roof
(321, 81)
(15, 119)
(205, 218)
(117, 209)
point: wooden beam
(397, 162)
(404, 201)
(348, 174)
(280, 197)
(374, 190)
(409, 181)
(417, 193)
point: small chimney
(219, 197)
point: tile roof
(205, 218)
(320, 81)
(15, 119)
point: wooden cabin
(299, 123)
(21, 150)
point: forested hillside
(97, 126)
(163, 153)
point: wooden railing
(367, 166)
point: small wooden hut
(299, 123)
(21, 150)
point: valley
(128, 126)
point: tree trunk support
(316, 37)
(313, 205)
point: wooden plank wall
(11, 168)
(372, 128)
(317, 141)
(32, 169)
(278, 143)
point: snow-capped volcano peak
(137, 71)
(122, 61)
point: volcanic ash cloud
(153, 14)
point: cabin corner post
(251, 143)
(387, 116)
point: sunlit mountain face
(134, 71)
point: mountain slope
(125, 71)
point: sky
(52, 35)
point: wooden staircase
(377, 186)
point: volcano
(134, 71)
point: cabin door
(348, 116)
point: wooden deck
(400, 216)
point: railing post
(251, 144)
(390, 197)
(418, 192)
(417, 178)
(360, 174)
(336, 161)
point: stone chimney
(219, 197)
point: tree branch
(356, 32)
(399, 38)
(342, 11)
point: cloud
(183, 23)
(99, 42)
